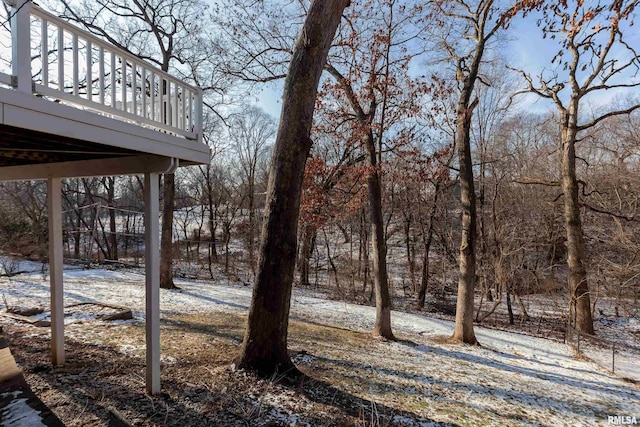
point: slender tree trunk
(168, 198)
(424, 279)
(227, 240)
(523, 308)
(580, 304)
(363, 253)
(212, 218)
(264, 348)
(352, 269)
(345, 234)
(382, 326)
(77, 236)
(308, 243)
(113, 237)
(427, 238)
(463, 331)
(330, 258)
(199, 234)
(509, 307)
(166, 235)
(411, 262)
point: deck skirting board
(128, 165)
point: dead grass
(102, 382)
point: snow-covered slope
(511, 377)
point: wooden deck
(72, 97)
(35, 131)
(76, 106)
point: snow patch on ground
(18, 413)
(512, 378)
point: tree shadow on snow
(369, 412)
(558, 378)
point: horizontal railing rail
(56, 59)
(6, 79)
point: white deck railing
(58, 60)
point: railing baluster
(167, 104)
(156, 98)
(183, 120)
(134, 89)
(44, 53)
(143, 90)
(89, 73)
(113, 79)
(176, 110)
(198, 115)
(60, 59)
(101, 72)
(163, 97)
(152, 91)
(190, 120)
(76, 86)
(170, 94)
(123, 82)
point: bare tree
(377, 99)
(468, 27)
(23, 218)
(251, 133)
(594, 57)
(259, 37)
(264, 348)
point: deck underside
(38, 136)
(19, 147)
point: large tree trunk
(580, 305)
(382, 326)
(264, 348)
(463, 331)
(166, 236)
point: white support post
(152, 282)
(21, 44)
(54, 211)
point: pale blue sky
(525, 49)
